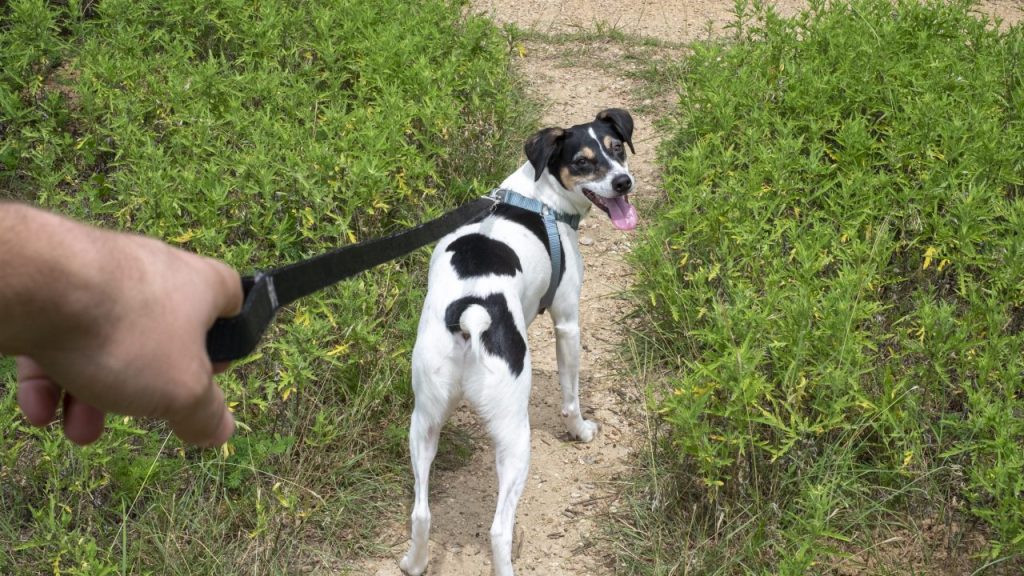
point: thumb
(206, 421)
(227, 287)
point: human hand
(139, 347)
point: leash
(550, 217)
(266, 292)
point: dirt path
(572, 485)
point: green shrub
(836, 277)
(260, 133)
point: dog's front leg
(567, 339)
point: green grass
(256, 132)
(834, 285)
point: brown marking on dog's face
(586, 166)
(614, 147)
(567, 179)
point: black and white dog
(488, 280)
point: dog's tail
(473, 322)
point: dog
(487, 281)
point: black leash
(266, 292)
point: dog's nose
(622, 183)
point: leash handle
(236, 337)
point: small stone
(586, 240)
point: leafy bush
(258, 133)
(835, 277)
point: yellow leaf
(281, 497)
(929, 254)
(185, 236)
(339, 349)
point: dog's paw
(585, 431)
(411, 567)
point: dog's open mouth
(622, 213)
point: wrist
(55, 293)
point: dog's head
(590, 160)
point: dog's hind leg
(435, 399)
(512, 455)
(423, 438)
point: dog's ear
(541, 146)
(621, 122)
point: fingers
(206, 421)
(38, 397)
(37, 394)
(210, 423)
(83, 424)
(220, 367)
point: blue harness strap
(551, 218)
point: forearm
(51, 279)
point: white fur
(447, 367)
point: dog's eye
(617, 148)
(582, 162)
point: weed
(258, 133)
(834, 283)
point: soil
(573, 486)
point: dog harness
(551, 218)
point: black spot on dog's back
(531, 221)
(502, 338)
(478, 255)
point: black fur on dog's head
(590, 159)
(553, 148)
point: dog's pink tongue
(623, 213)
